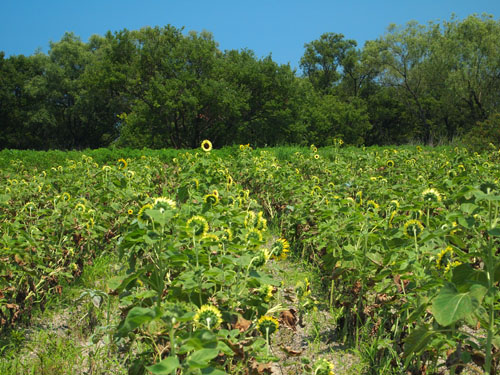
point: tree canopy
(163, 87)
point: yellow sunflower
(208, 316)
(206, 145)
(267, 325)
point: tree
(324, 58)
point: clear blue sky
(279, 27)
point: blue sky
(274, 26)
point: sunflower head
(122, 163)
(208, 316)
(261, 258)
(267, 325)
(372, 206)
(80, 207)
(265, 292)
(206, 145)
(316, 156)
(280, 249)
(211, 199)
(393, 205)
(65, 196)
(142, 216)
(254, 235)
(164, 203)
(323, 367)
(130, 211)
(413, 228)
(390, 163)
(431, 195)
(197, 225)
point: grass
(69, 336)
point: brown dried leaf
(289, 318)
(242, 324)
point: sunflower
(316, 156)
(206, 145)
(265, 292)
(210, 238)
(267, 325)
(280, 249)
(65, 196)
(445, 259)
(323, 367)
(261, 258)
(130, 211)
(142, 216)
(162, 203)
(211, 199)
(393, 205)
(122, 163)
(80, 207)
(413, 228)
(208, 316)
(390, 163)
(197, 226)
(431, 195)
(372, 206)
(254, 235)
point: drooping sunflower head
(413, 228)
(208, 316)
(122, 163)
(80, 207)
(210, 238)
(206, 145)
(323, 367)
(65, 196)
(265, 292)
(267, 325)
(164, 203)
(393, 205)
(431, 195)
(280, 249)
(211, 199)
(261, 258)
(197, 226)
(359, 198)
(254, 236)
(261, 222)
(390, 163)
(142, 216)
(227, 235)
(372, 206)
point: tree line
(160, 87)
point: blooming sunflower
(261, 258)
(413, 228)
(267, 325)
(197, 225)
(280, 249)
(390, 163)
(316, 156)
(122, 163)
(130, 211)
(208, 316)
(80, 207)
(431, 195)
(206, 145)
(265, 292)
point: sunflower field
(403, 240)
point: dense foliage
(405, 239)
(160, 87)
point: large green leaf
(201, 358)
(450, 305)
(165, 367)
(135, 318)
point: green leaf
(135, 318)
(200, 358)
(416, 341)
(165, 367)
(450, 305)
(494, 232)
